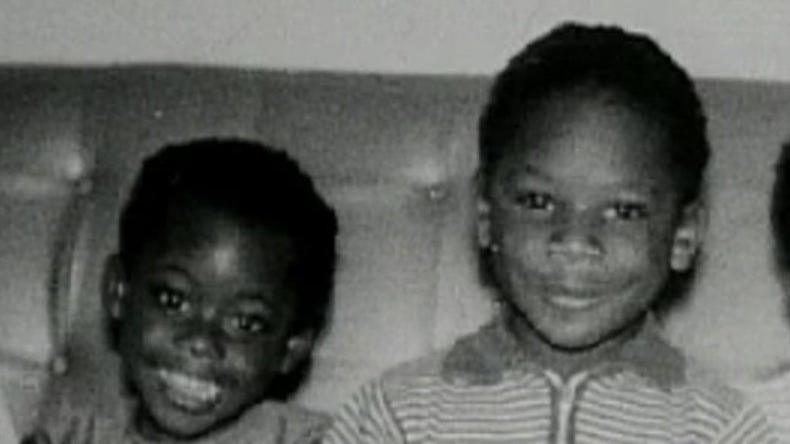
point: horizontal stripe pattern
(417, 405)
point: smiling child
(220, 285)
(592, 154)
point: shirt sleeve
(366, 419)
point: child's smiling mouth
(572, 301)
(575, 293)
(189, 393)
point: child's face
(584, 220)
(205, 320)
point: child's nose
(576, 236)
(202, 339)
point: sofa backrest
(394, 154)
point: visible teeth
(189, 390)
(573, 302)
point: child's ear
(114, 287)
(297, 349)
(688, 237)
(485, 240)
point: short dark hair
(602, 58)
(780, 208)
(250, 180)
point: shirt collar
(487, 356)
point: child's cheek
(247, 360)
(513, 228)
(626, 242)
(254, 365)
(158, 332)
(660, 237)
(525, 242)
(640, 250)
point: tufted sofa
(393, 154)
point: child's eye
(171, 300)
(249, 324)
(626, 211)
(535, 201)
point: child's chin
(176, 423)
(184, 429)
(574, 338)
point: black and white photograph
(394, 221)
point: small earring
(120, 289)
(682, 258)
(115, 310)
(483, 239)
(493, 247)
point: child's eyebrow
(530, 175)
(254, 296)
(537, 173)
(165, 267)
(521, 171)
(257, 299)
(532, 170)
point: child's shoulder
(425, 368)
(302, 425)
(473, 359)
(279, 422)
(771, 392)
(703, 383)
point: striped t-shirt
(485, 389)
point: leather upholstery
(394, 154)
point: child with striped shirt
(593, 148)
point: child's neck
(564, 361)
